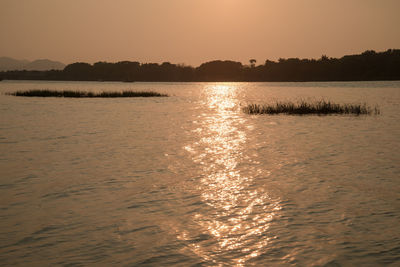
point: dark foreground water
(191, 180)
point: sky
(195, 31)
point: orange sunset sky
(195, 31)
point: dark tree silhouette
(369, 65)
(252, 62)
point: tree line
(369, 65)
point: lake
(191, 180)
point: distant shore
(368, 66)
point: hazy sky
(195, 31)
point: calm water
(191, 180)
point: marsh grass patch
(303, 107)
(83, 94)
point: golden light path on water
(240, 213)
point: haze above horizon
(194, 31)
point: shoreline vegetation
(82, 94)
(303, 107)
(367, 66)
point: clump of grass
(302, 107)
(81, 94)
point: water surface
(191, 180)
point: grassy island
(82, 94)
(302, 107)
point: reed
(303, 107)
(82, 94)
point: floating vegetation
(302, 107)
(80, 94)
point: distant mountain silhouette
(7, 63)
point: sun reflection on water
(239, 221)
